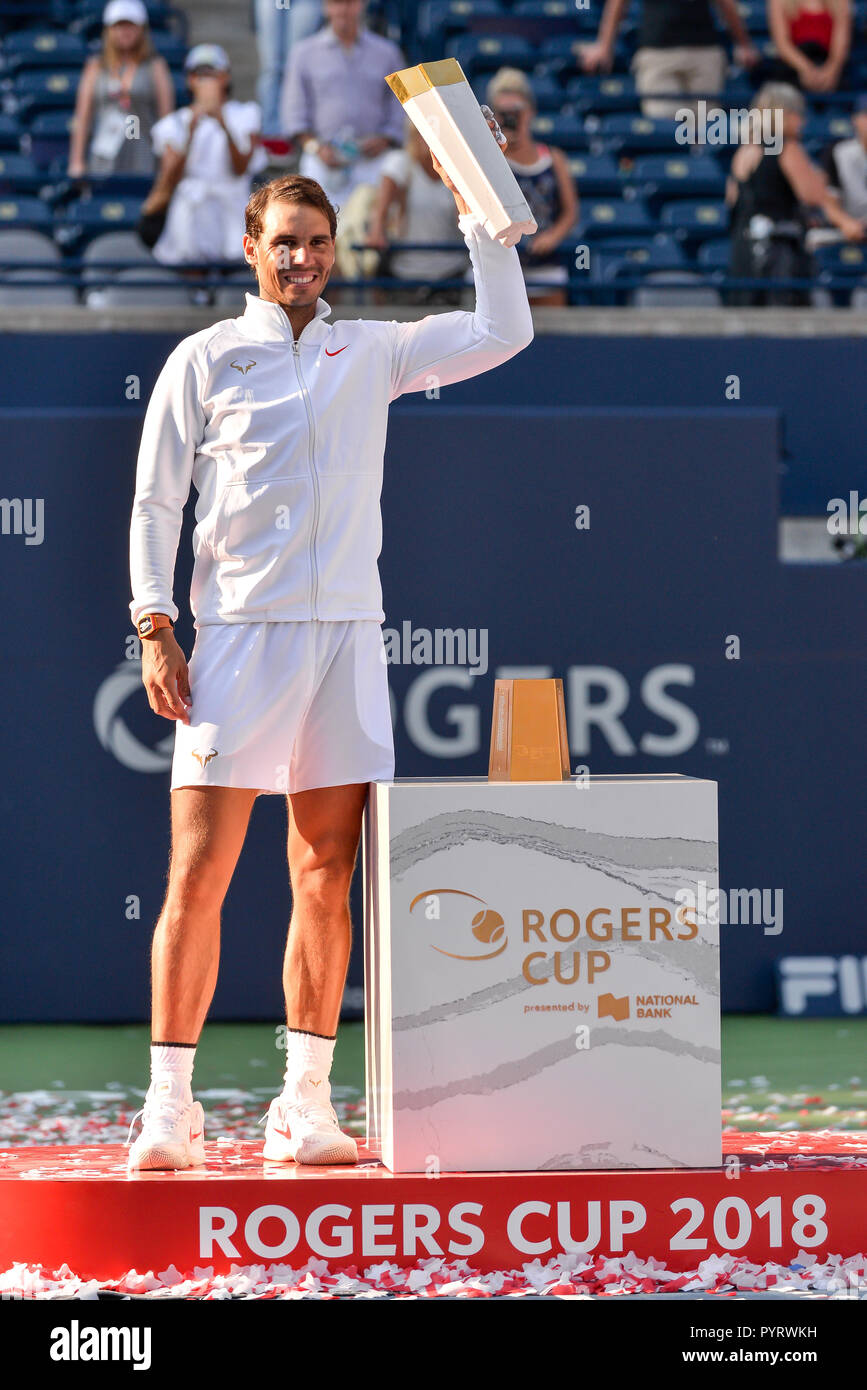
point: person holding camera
(546, 182)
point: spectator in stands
(769, 193)
(847, 166)
(546, 181)
(812, 42)
(414, 203)
(678, 50)
(125, 80)
(278, 29)
(336, 103)
(208, 153)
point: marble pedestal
(541, 992)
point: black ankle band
(172, 1044)
(326, 1037)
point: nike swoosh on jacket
(286, 458)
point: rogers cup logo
(486, 925)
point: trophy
(528, 733)
(441, 105)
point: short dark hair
(291, 188)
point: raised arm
(453, 347)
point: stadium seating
(144, 286)
(695, 221)
(655, 206)
(86, 218)
(48, 137)
(27, 246)
(34, 287)
(19, 174)
(488, 52)
(43, 48)
(604, 218)
(108, 254)
(25, 212)
(597, 175)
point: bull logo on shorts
(204, 758)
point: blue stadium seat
(842, 258)
(600, 94)
(659, 177)
(170, 47)
(10, 133)
(625, 133)
(597, 175)
(548, 92)
(660, 253)
(19, 174)
(714, 255)
(826, 130)
(545, 10)
(565, 131)
(43, 48)
(121, 186)
(620, 259)
(611, 217)
(48, 136)
(483, 52)
(25, 212)
(669, 289)
(86, 218)
(696, 220)
(38, 91)
(439, 18)
(754, 14)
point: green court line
(764, 1055)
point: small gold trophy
(528, 733)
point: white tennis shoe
(173, 1129)
(302, 1127)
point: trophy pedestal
(542, 991)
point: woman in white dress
(209, 151)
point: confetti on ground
(60, 1116)
(565, 1276)
(103, 1117)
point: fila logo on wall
(822, 986)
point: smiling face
(293, 255)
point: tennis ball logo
(488, 926)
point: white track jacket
(284, 442)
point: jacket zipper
(313, 475)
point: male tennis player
(279, 420)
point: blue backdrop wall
(636, 611)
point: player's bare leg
(209, 825)
(324, 830)
(208, 829)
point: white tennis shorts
(286, 707)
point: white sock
(308, 1064)
(172, 1062)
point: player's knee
(195, 885)
(324, 869)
